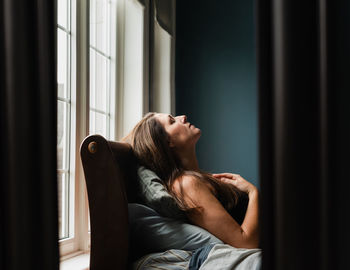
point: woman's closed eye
(171, 119)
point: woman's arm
(250, 223)
(213, 217)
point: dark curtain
(303, 64)
(28, 185)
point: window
(86, 90)
(95, 75)
(103, 79)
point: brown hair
(150, 143)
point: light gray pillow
(150, 232)
(156, 196)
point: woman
(166, 145)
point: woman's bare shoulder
(191, 186)
(186, 181)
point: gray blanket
(225, 257)
(221, 257)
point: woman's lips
(190, 125)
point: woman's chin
(198, 133)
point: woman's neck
(189, 160)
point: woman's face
(182, 134)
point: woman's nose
(183, 118)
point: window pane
(92, 79)
(62, 135)
(62, 63)
(99, 76)
(62, 13)
(92, 22)
(98, 123)
(63, 214)
(99, 25)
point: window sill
(79, 262)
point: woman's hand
(236, 180)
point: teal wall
(216, 84)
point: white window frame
(121, 108)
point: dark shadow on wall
(216, 82)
